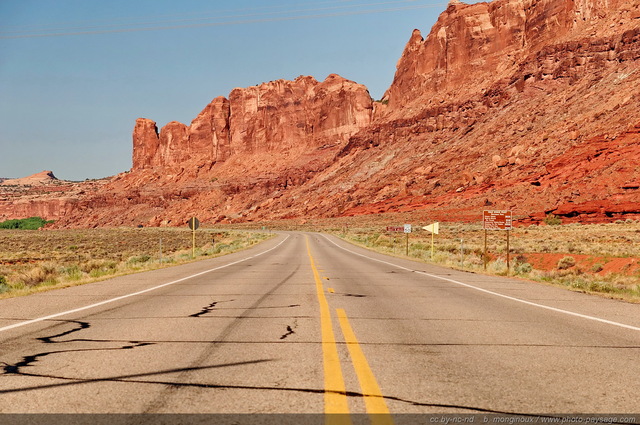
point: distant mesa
(41, 178)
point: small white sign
(407, 228)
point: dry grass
(601, 258)
(32, 261)
(607, 256)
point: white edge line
(558, 310)
(87, 307)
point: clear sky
(75, 74)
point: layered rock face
(495, 93)
(473, 46)
(43, 195)
(274, 117)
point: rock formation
(531, 105)
(484, 42)
(275, 117)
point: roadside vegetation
(596, 258)
(31, 223)
(32, 261)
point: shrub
(220, 248)
(383, 240)
(566, 263)
(34, 276)
(73, 272)
(4, 286)
(522, 268)
(597, 268)
(31, 223)
(141, 259)
(552, 220)
(98, 266)
(498, 267)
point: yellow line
(373, 398)
(335, 395)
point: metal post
(193, 245)
(160, 250)
(432, 233)
(407, 244)
(507, 252)
(484, 259)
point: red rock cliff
(473, 46)
(145, 143)
(272, 117)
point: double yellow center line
(335, 396)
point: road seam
(497, 294)
(122, 297)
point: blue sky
(75, 74)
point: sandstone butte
(529, 105)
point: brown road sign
(395, 229)
(496, 220)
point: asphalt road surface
(306, 323)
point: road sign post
(193, 223)
(496, 220)
(407, 231)
(434, 229)
(484, 254)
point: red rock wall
(49, 209)
(484, 42)
(145, 143)
(273, 117)
(208, 134)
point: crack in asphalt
(260, 308)
(122, 378)
(290, 330)
(131, 380)
(209, 308)
(27, 361)
(404, 344)
(205, 310)
(50, 339)
(208, 352)
(30, 360)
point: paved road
(310, 324)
